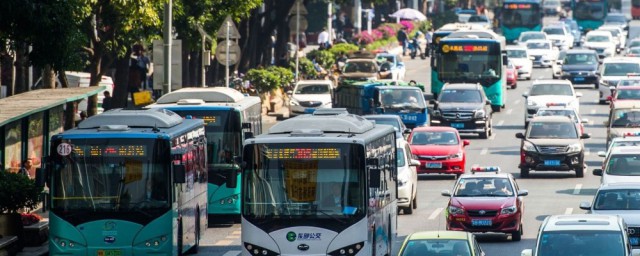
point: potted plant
(17, 192)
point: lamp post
(168, 37)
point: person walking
(403, 39)
(107, 102)
(429, 38)
(323, 39)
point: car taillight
(518, 67)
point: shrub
(263, 80)
(305, 66)
(284, 75)
(17, 192)
(324, 58)
(343, 48)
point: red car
(439, 150)
(486, 201)
(625, 93)
(512, 75)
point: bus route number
(64, 149)
(409, 118)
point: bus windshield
(595, 242)
(470, 67)
(402, 99)
(105, 176)
(590, 10)
(522, 17)
(304, 181)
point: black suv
(464, 107)
(581, 67)
(551, 143)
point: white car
(480, 20)
(407, 178)
(543, 92)
(543, 52)
(530, 35)
(600, 41)
(556, 67)
(520, 57)
(618, 36)
(560, 36)
(612, 71)
(309, 95)
(621, 165)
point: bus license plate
(578, 79)
(481, 223)
(634, 241)
(552, 162)
(109, 253)
(457, 125)
(433, 165)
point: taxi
(626, 93)
(440, 243)
(561, 109)
(624, 118)
(486, 200)
(628, 139)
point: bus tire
(194, 249)
(180, 238)
(496, 108)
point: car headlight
(294, 103)
(528, 146)
(402, 181)
(456, 155)
(436, 113)
(509, 210)
(562, 73)
(453, 210)
(573, 148)
(531, 103)
(479, 114)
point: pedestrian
(429, 37)
(25, 170)
(403, 39)
(323, 39)
(107, 102)
(144, 64)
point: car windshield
(385, 58)
(551, 89)
(629, 82)
(548, 3)
(478, 19)
(615, 19)
(386, 121)
(553, 31)
(552, 130)
(517, 54)
(312, 89)
(402, 98)
(538, 45)
(468, 96)
(620, 69)
(626, 118)
(598, 39)
(628, 94)
(434, 138)
(531, 36)
(581, 242)
(623, 164)
(360, 66)
(635, 50)
(617, 199)
(580, 59)
(486, 186)
(634, 43)
(456, 247)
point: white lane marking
(576, 190)
(590, 122)
(568, 211)
(237, 232)
(540, 77)
(500, 123)
(509, 111)
(483, 151)
(516, 102)
(223, 242)
(587, 151)
(435, 213)
(232, 253)
(593, 111)
(493, 136)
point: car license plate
(309, 110)
(552, 162)
(433, 165)
(109, 253)
(457, 125)
(634, 241)
(481, 223)
(578, 79)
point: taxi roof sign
(475, 169)
(557, 104)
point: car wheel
(485, 133)
(579, 172)
(408, 210)
(524, 172)
(602, 102)
(415, 201)
(514, 86)
(517, 235)
(529, 77)
(596, 85)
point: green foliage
(285, 76)
(324, 58)
(17, 192)
(441, 19)
(380, 43)
(424, 26)
(305, 66)
(270, 78)
(343, 48)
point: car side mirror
(179, 174)
(584, 121)
(559, 62)
(585, 136)
(445, 193)
(515, 41)
(597, 172)
(526, 94)
(578, 94)
(585, 206)
(415, 162)
(465, 143)
(505, 59)
(532, 58)
(523, 192)
(433, 102)
(602, 153)
(526, 252)
(605, 123)
(407, 131)
(612, 88)
(520, 135)
(289, 92)
(487, 102)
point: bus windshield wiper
(332, 216)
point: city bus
(518, 16)
(589, 14)
(367, 98)
(320, 184)
(127, 182)
(230, 117)
(472, 59)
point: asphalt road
(549, 192)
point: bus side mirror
(374, 178)
(505, 60)
(179, 174)
(41, 177)
(248, 135)
(246, 125)
(232, 178)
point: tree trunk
(22, 73)
(62, 75)
(120, 92)
(70, 115)
(48, 77)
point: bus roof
(214, 97)
(340, 123)
(501, 41)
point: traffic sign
(234, 52)
(233, 30)
(295, 9)
(303, 23)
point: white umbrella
(409, 14)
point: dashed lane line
(484, 151)
(516, 102)
(593, 111)
(232, 253)
(576, 190)
(587, 151)
(435, 213)
(509, 111)
(224, 242)
(500, 123)
(492, 137)
(568, 211)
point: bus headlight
(257, 250)
(352, 249)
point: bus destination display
(208, 120)
(303, 153)
(111, 151)
(517, 6)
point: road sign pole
(227, 57)
(297, 37)
(204, 70)
(330, 21)
(168, 36)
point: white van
(81, 79)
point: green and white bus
(230, 117)
(127, 182)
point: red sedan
(439, 150)
(512, 75)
